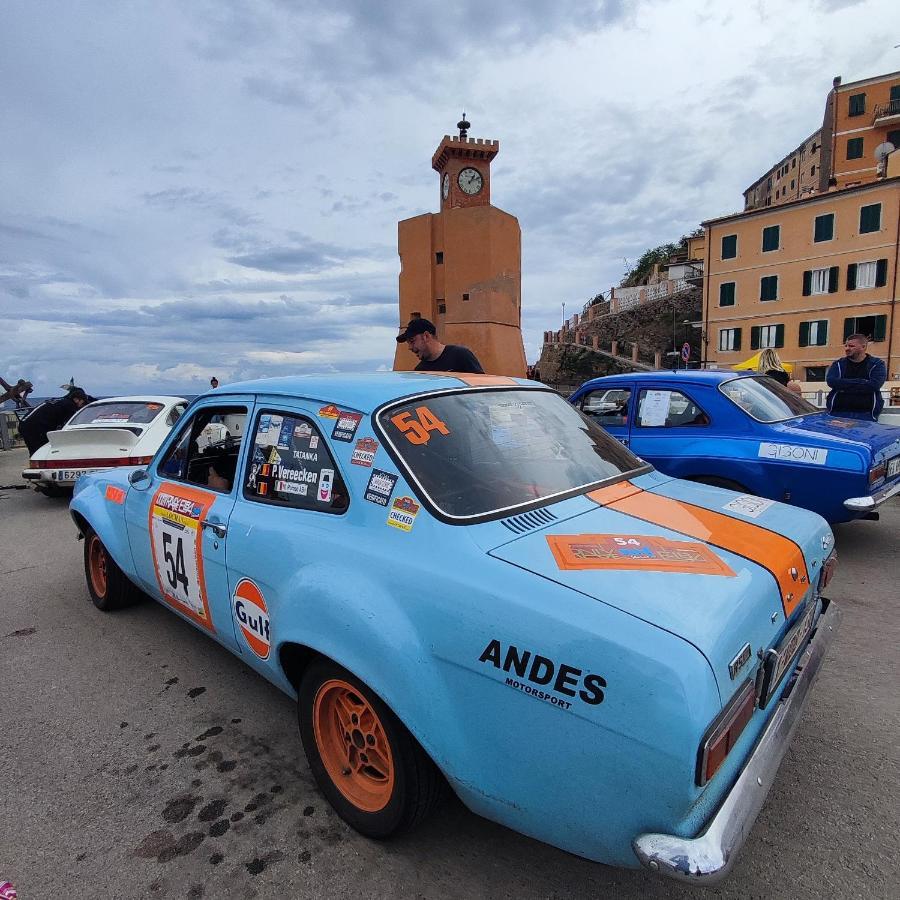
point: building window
(824, 228)
(870, 218)
(792, 184)
(794, 163)
(854, 148)
(815, 147)
(893, 137)
(867, 275)
(769, 182)
(729, 339)
(768, 287)
(729, 246)
(815, 373)
(814, 334)
(771, 238)
(763, 337)
(726, 293)
(812, 170)
(874, 327)
(442, 307)
(857, 104)
(820, 281)
(439, 258)
(465, 296)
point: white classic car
(118, 431)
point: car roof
(691, 376)
(140, 398)
(367, 391)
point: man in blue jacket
(855, 382)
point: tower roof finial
(463, 127)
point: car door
(290, 508)
(667, 427)
(177, 519)
(610, 408)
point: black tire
(366, 799)
(106, 582)
(716, 481)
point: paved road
(139, 759)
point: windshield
(484, 451)
(112, 414)
(765, 399)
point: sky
(212, 187)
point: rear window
(765, 399)
(486, 451)
(112, 414)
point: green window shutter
(804, 334)
(881, 273)
(754, 337)
(895, 93)
(824, 230)
(854, 148)
(779, 335)
(870, 218)
(737, 339)
(729, 246)
(849, 327)
(822, 334)
(857, 104)
(880, 328)
(833, 279)
(771, 238)
(726, 293)
(851, 277)
(807, 283)
(768, 287)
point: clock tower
(461, 267)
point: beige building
(800, 277)
(795, 176)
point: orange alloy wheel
(97, 566)
(353, 745)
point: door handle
(217, 528)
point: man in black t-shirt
(420, 335)
(856, 381)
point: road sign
(685, 351)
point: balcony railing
(887, 110)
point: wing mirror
(138, 478)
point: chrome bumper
(864, 504)
(708, 858)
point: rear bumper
(708, 858)
(873, 501)
(42, 477)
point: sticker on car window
(346, 425)
(403, 513)
(364, 452)
(417, 429)
(748, 505)
(654, 408)
(326, 481)
(176, 517)
(636, 552)
(380, 487)
(809, 456)
(252, 615)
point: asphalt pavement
(140, 759)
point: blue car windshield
(765, 399)
(480, 452)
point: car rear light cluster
(724, 732)
(109, 463)
(827, 573)
(876, 473)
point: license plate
(777, 662)
(893, 466)
(67, 474)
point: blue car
(751, 435)
(463, 582)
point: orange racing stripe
(780, 555)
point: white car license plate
(893, 466)
(774, 669)
(67, 474)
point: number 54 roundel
(175, 535)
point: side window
(607, 406)
(290, 465)
(668, 409)
(205, 453)
(175, 413)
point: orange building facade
(801, 276)
(462, 267)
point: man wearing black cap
(420, 335)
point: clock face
(470, 181)
(445, 188)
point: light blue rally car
(465, 581)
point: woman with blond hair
(770, 364)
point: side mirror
(138, 477)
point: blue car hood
(883, 441)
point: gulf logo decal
(252, 617)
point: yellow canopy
(750, 365)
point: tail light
(876, 473)
(828, 568)
(724, 732)
(107, 463)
